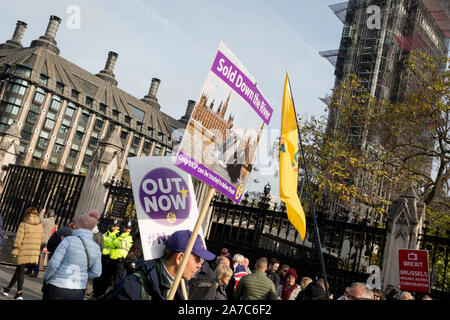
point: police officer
(121, 247)
(100, 284)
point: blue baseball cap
(179, 240)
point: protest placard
(165, 201)
(220, 142)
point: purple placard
(236, 79)
(164, 197)
(208, 176)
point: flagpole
(313, 213)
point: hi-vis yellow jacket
(122, 245)
(108, 239)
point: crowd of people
(114, 265)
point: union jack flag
(239, 272)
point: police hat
(127, 224)
(115, 222)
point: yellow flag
(289, 155)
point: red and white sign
(413, 268)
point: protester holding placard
(154, 278)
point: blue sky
(176, 42)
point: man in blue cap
(154, 278)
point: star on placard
(184, 192)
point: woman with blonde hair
(223, 274)
(26, 248)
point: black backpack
(203, 288)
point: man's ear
(179, 257)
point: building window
(98, 124)
(43, 143)
(150, 130)
(70, 111)
(44, 134)
(37, 154)
(43, 79)
(49, 124)
(56, 104)
(27, 132)
(75, 94)
(58, 148)
(136, 140)
(93, 142)
(51, 115)
(59, 87)
(115, 114)
(127, 119)
(138, 113)
(39, 96)
(79, 135)
(102, 108)
(23, 71)
(85, 117)
(139, 125)
(123, 135)
(64, 129)
(73, 154)
(89, 101)
(32, 117)
(147, 145)
(16, 88)
(157, 151)
(11, 108)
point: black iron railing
(27, 186)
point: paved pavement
(31, 286)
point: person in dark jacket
(134, 255)
(56, 239)
(314, 291)
(272, 273)
(204, 284)
(153, 279)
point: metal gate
(27, 186)
(119, 204)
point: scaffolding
(376, 55)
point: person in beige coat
(26, 248)
(48, 223)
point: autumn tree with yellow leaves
(369, 151)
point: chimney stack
(48, 40)
(52, 27)
(19, 31)
(151, 98)
(154, 87)
(107, 73)
(111, 61)
(16, 40)
(189, 109)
